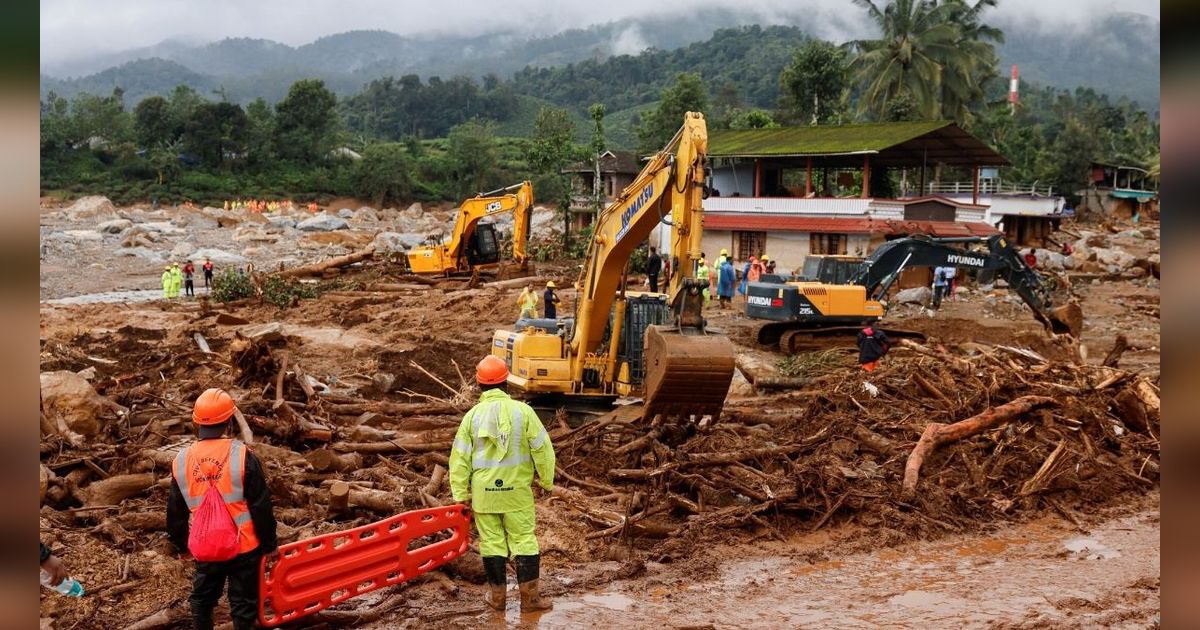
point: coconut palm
(935, 52)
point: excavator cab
(483, 248)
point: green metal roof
(900, 142)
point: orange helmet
(214, 406)
(491, 370)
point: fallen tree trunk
(939, 433)
(954, 362)
(165, 618)
(394, 409)
(114, 490)
(1114, 355)
(325, 460)
(317, 269)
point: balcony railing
(989, 187)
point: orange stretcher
(314, 574)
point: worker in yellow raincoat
(528, 302)
(166, 282)
(176, 279)
(498, 446)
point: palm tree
(932, 51)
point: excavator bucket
(1067, 318)
(686, 374)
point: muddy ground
(805, 526)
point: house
(1120, 190)
(842, 189)
(617, 170)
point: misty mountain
(1118, 54)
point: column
(808, 176)
(975, 184)
(866, 186)
(758, 177)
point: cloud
(79, 28)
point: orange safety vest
(221, 461)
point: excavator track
(687, 375)
(791, 340)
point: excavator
(803, 314)
(474, 245)
(626, 343)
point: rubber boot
(202, 620)
(494, 567)
(528, 570)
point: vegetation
(436, 139)
(231, 284)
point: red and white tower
(1012, 91)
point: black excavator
(806, 314)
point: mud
(812, 536)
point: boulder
(395, 242)
(115, 226)
(90, 207)
(1117, 258)
(166, 228)
(77, 236)
(73, 404)
(346, 213)
(280, 223)
(182, 250)
(322, 223)
(915, 295)
(1150, 233)
(366, 214)
(196, 221)
(219, 256)
(142, 252)
(1097, 240)
(1054, 261)
(272, 331)
(414, 211)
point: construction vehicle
(829, 268)
(806, 314)
(623, 343)
(474, 245)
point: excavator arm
(881, 270)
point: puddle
(611, 601)
(1091, 549)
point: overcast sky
(73, 28)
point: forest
(403, 139)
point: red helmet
(214, 406)
(491, 370)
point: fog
(71, 29)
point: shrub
(283, 292)
(230, 285)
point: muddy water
(108, 297)
(1041, 573)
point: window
(747, 244)
(827, 243)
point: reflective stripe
(237, 492)
(517, 457)
(241, 519)
(537, 441)
(462, 446)
(182, 479)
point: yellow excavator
(473, 245)
(625, 343)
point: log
(325, 460)
(781, 382)
(394, 409)
(511, 284)
(929, 388)
(1132, 410)
(376, 501)
(954, 362)
(435, 480)
(393, 446)
(1120, 344)
(937, 434)
(1148, 394)
(317, 269)
(420, 279)
(44, 479)
(339, 497)
(165, 618)
(142, 521)
(114, 490)
(872, 441)
(609, 518)
(387, 287)
(302, 380)
(247, 434)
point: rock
(346, 213)
(182, 250)
(231, 320)
(272, 331)
(1137, 272)
(70, 401)
(395, 242)
(915, 295)
(1114, 258)
(1150, 234)
(90, 207)
(115, 226)
(166, 228)
(1133, 234)
(414, 211)
(254, 234)
(366, 214)
(322, 223)
(197, 220)
(280, 223)
(382, 382)
(1053, 261)
(142, 252)
(219, 256)
(1097, 240)
(76, 236)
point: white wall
(731, 179)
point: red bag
(213, 536)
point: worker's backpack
(213, 536)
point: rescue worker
(166, 282)
(176, 279)
(207, 267)
(498, 446)
(550, 302)
(527, 301)
(872, 345)
(725, 280)
(189, 287)
(770, 264)
(715, 277)
(702, 274)
(238, 475)
(653, 267)
(745, 283)
(757, 269)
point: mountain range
(1116, 54)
